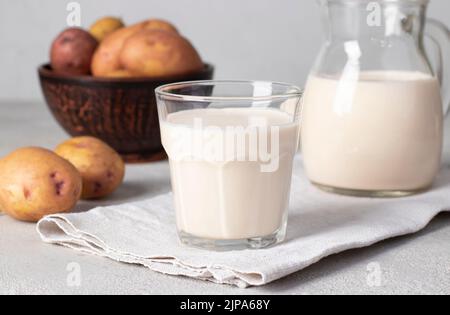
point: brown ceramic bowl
(120, 111)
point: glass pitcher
(372, 118)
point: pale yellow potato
(157, 24)
(106, 59)
(36, 182)
(120, 74)
(105, 26)
(157, 53)
(101, 168)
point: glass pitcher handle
(440, 34)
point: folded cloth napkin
(320, 224)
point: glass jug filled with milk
(373, 108)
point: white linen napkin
(320, 224)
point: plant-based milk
(228, 181)
(381, 132)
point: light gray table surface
(414, 264)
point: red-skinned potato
(71, 52)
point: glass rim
(293, 91)
(423, 2)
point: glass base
(235, 244)
(370, 193)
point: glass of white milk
(231, 146)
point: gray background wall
(245, 39)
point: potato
(71, 52)
(36, 182)
(101, 168)
(106, 60)
(120, 74)
(156, 24)
(105, 26)
(156, 53)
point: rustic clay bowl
(120, 111)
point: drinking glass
(231, 146)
